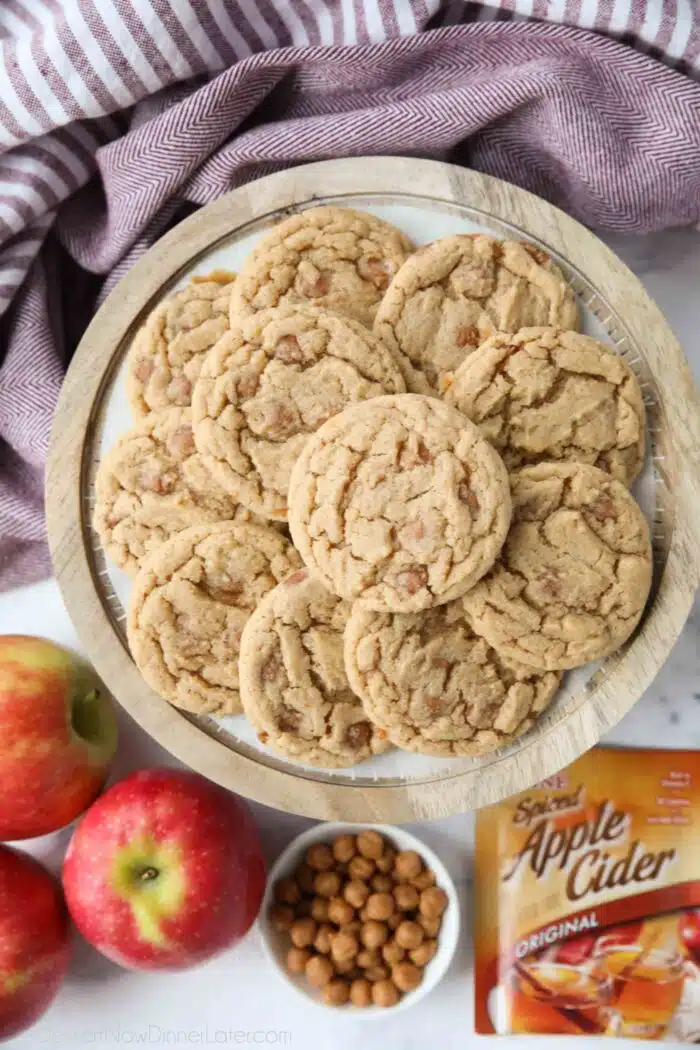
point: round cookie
(168, 350)
(435, 687)
(574, 575)
(152, 484)
(330, 257)
(189, 605)
(546, 394)
(269, 383)
(399, 501)
(293, 684)
(455, 292)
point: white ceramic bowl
(276, 944)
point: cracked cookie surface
(452, 294)
(546, 394)
(572, 580)
(399, 501)
(436, 687)
(336, 258)
(168, 350)
(269, 383)
(154, 483)
(293, 683)
(190, 603)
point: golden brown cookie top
(269, 383)
(190, 603)
(293, 684)
(335, 258)
(169, 348)
(399, 501)
(452, 294)
(153, 483)
(572, 580)
(435, 686)
(547, 394)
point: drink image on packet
(593, 925)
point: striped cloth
(116, 118)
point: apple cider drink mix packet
(593, 924)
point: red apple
(164, 871)
(689, 931)
(35, 941)
(58, 734)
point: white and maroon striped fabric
(114, 116)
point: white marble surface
(234, 1000)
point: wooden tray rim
(541, 753)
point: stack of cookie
(451, 457)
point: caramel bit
(415, 530)
(411, 580)
(180, 390)
(313, 288)
(376, 270)
(467, 335)
(358, 735)
(468, 496)
(297, 577)
(551, 586)
(144, 369)
(159, 481)
(263, 737)
(603, 509)
(288, 350)
(216, 276)
(441, 662)
(271, 668)
(227, 591)
(536, 253)
(181, 443)
(415, 457)
(434, 704)
(288, 720)
(247, 384)
(281, 420)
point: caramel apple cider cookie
(169, 348)
(153, 483)
(452, 294)
(269, 383)
(546, 394)
(293, 684)
(572, 580)
(399, 501)
(330, 257)
(190, 603)
(437, 688)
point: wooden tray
(428, 199)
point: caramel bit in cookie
(414, 455)
(288, 720)
(551, 585)
(297, 577)
(441, 662)
(227, 590)
(281, 421)
(270, 669)
(467, 495)
(312, 285)
(144, 369)
(434, 704)
(376, 270)
(247, 384)
(181, 443)
(536, 253)
(603, 509)
(415, 530)
(467, 335)
(358, 735)
(411, 580)
(179, 390)
(288, 350)
(160, 481)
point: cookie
(190, 603)
(269, 383)
(152, 484)
(330, 257)
(546, 394)
(452, 294)
(437, 688)
(399, 501)
(168, 350)
(574, 575)
(293, 684)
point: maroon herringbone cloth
(114, 121)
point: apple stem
(147, 874)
